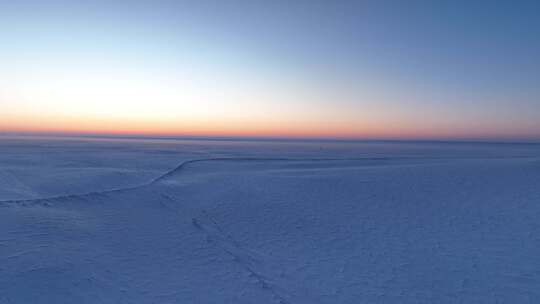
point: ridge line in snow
(174, 171)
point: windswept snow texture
(268, 222)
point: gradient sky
(359, 69)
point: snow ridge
(176, 170)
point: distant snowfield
(267, 222)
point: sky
(337, 69)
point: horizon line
(277, 138)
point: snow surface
(138, 221)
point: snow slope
(402, 225)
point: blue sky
(366, 69)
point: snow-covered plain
(163, 221)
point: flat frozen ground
(151, 221)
